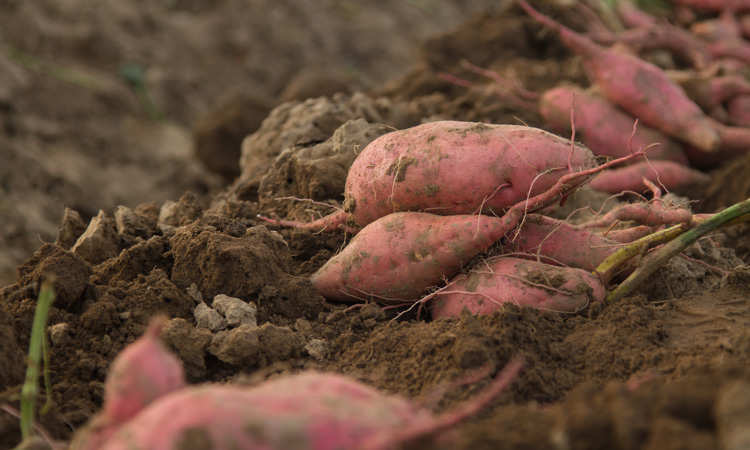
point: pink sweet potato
(139, 375)
(735, 141)
(396, 258)
(685, 46)
(715, 5)
(529, 283)
(143, 372)
(710, 92)
(725, 27)
(632, 16)
(602, 127)
(639, 88)
(452, 168)
(558, 243)
(668, 174)
(738, 49)
(309, 411)
(738, 109)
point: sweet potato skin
(638, 87)
(506, 279)
(602, 127)
(669, 174)
(397, 257)
(457, 168)
(337, 413)
(140, 374)
(558, 243)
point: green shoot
(38, 333)
(134, 75)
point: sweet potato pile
(427, 203)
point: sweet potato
(710, 92)
(140, 374)
(396, 258)
(452, 168)
(602, 127)
(306, 411)
(670, 175)
(715, 5)
(739, 111)
(738, 49)
(632, 16)
(638, 87)
(530, 283)
(558, 243)
(725, 27)
(685, 46)
(735, 141)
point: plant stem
(38, 331)
(661, 257)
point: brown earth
(666, 367)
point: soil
(161, 217)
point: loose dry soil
(666, 368)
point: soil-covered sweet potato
(528, 283)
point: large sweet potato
(309, 411)
(529, 283)
(602, 127)
(453, 168)
(559, 243)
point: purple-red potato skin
(308, 411)
(452, 168)
(456, 168)
(681, 43)
(638, 87)
(715, 5)
(396, 258)
(558, 243)
(738, 49)
(514, 280)
(739, 111)
(735, 141)
(669, 174)
(602, 127)
(140, 374)
(632, 16)
(711, 92)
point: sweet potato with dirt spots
(638, 87)
(602, 127)
(558, 243)
(396, 258)
(308, 411)
(512, 280)
(668, 174)
(451, 168)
